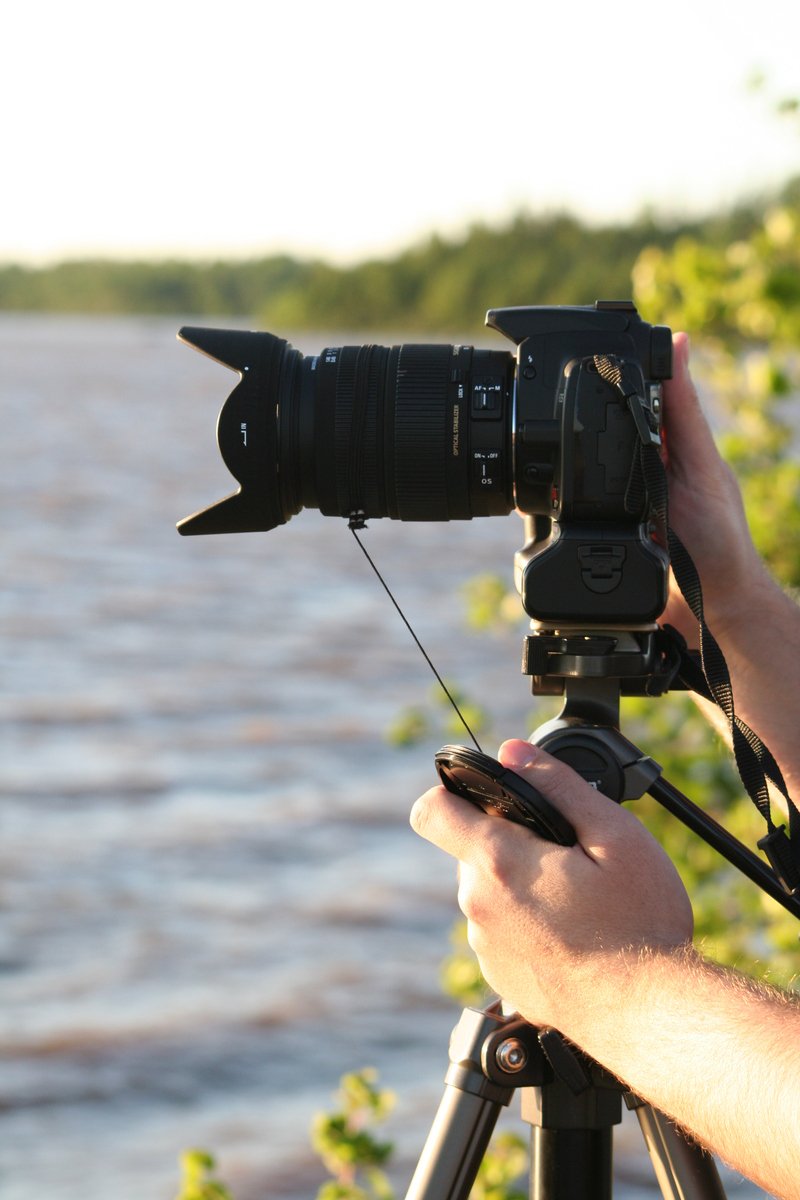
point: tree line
(437, 285)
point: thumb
(587, 809)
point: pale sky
(350, 129)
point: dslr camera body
(443, 432)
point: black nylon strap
(754, 761)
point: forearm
(715, 1051)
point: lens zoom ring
(420, 433)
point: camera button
(487, 398)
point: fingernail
(518, 754)
(684, 353)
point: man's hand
(593, 939)
(706, 510)
(551, 924)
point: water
(211, 902)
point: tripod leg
(570, 1163)
(684, 1170)
(468, 1110)
(455, 1147)
(571, 1140)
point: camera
(443, 432)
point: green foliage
(355, 1158)
(503, 1169)
(461, 976)
(346, 1144)
(410, 727)
(197, 1181)
(438, 717)
(489, 604)
(742, 303)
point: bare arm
(756, 624)
(717, 1052)
(594, 939)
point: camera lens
(415, 432)
(411, 432)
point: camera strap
(754, 761)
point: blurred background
(211, 904)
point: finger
(452, 823)
(589, 812)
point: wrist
(614, 990)
(731, 612)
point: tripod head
(592, 663)
(592, 667)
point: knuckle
(475, 938)
(421, 816)
(495, 880)
(475, 897)
(470, 899)
(558, 783)
(496, 858)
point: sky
(349, 130)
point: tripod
(570, 1101)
